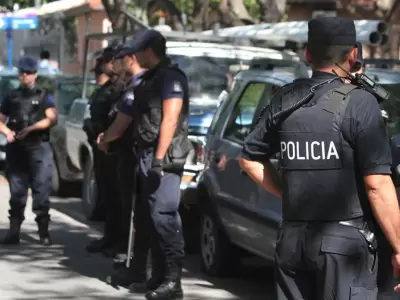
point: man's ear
(352, 58)
(307, 55)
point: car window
(68, 92)
(77, 111)
(242, 117)
(222, 107)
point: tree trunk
(114, 12)
(228, 18)
(174, 18)
(271, 10)
(199, 17)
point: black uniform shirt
(363, 128)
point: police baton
(132, 229)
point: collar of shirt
(323, 75)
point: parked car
(234, 213)
(81, 156)
(269, 72)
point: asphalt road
(66, 271)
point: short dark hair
(44, 54)
(325, 56)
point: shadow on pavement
(252, 277)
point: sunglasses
(26, 72)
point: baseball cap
(145, 39)
(28, 64)
(331, 31)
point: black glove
(157, 167)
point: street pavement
(66, 271)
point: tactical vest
(27, 108)
(319, 172)
(101, 106)
(149, 107)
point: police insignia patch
(177, 87)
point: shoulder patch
(177, 87)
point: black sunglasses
(26, 72)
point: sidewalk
(65, 270)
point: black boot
(157, 275)
(12, 236)
(43, 225)
(126, 276)
(171, 288)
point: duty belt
(362, 226)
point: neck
(154, 62)
(335, 69)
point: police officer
(30, 112)
(161, 134)
(121, 129)
(101, 102)
(335, 162)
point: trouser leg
(17, 174)
(167, 244)
(40, 163)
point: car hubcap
(208, 242)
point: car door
(265, 208)
(236, 192)
(75, 134)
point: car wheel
(218, 255)
(89, 193)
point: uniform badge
(177, 87)
(129, 97)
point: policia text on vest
(310, 150)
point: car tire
(218, 256)
(91, 208)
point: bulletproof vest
(27, 108)
(101, 104)
(149, 107)
(319, 171)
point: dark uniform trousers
(160, 199)
(29, 166)
(321, 261)
(105, 168)
(126, 170)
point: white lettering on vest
(313, 156)
(314, 150)
(332, 151)
(291, 150)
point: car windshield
(7, 83)
(392, 107)
(209, 76)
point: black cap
(28, 64)
(331, 31)
(143, 40)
